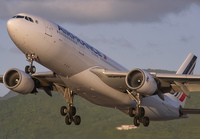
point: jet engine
(141, 82)
(18, 81)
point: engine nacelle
(141, 82)
(18, 81)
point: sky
(156, 34)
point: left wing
(153, 83)
(169, 82)
(47, 78)
(178, 82)
(47, 81)
(114, 79)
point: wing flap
(190, 87)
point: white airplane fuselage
(71, 59)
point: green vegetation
(38, 116)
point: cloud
(96, 11)
(186, 39)
(112, 42)
(15, 50)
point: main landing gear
(69, 112)
(139, 112)
(70, 115)
(30, 58)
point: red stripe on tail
(182, 97)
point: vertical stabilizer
(188, 65)
(186, 68)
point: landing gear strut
(139, 113)
(69, 112)
(30, 58)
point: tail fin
(188, 65)
(186, 68)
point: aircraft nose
(11, 27)
(16, 33)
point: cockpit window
(26, 17)
(20, 16)
(30, 19)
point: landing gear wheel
(131, 114)
(30, 58)
(27, 69)
(72, 111)
(136, 121)
(141, 112)
(62, 110)
(68, 120)
(32, 69)
(77, 120)
(146, 121)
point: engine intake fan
(141, 82)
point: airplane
(77, 68)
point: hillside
(10, 94)
(38, 116)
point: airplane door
(48, 28)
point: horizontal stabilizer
(184, 111)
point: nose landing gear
(30, 58)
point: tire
(72, 111)
(136, 121)
(27, 69)
(33, 69)
(131, 109)
(141, 112)
(62, 110)
(77, 120)
(68, 120)
(146, 121)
